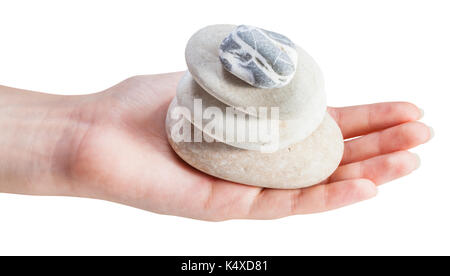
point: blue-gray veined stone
(259, 57)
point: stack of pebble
(247, 70)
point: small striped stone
(261, 58)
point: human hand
(112, 145)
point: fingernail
(422, 113)
(417, 160)
(431, 133)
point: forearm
(36, 133)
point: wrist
(39, 133)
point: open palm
(124, 156)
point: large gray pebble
(300, 165)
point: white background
(369, 51)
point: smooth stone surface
(261, 58)
(301, 165)
(303, 98)
(290, 131)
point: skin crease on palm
(112, 145)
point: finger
(397, 138)
(362, 119)
(379, 169)
(276, 203)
